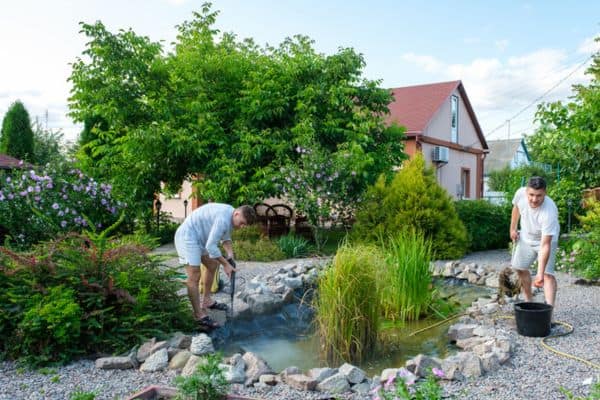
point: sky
(510, 55)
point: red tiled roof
(414, 106)
(8, 162)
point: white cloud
(499, 88)
(428, 63)
(589, 46)
(501, 44)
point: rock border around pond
(485, 343)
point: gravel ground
(532, 372)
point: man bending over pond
(197, 242)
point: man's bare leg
(193, 277)
(525, 277)
(550, 289)
(211, 267)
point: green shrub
(487, 224)
(119, 294)
(347, 304)
(261, 250)
(81, 395)
(49, 327)
(405, 277)
(412, 200)
(252, 233)
(294, 246)
(206, 383)
(16, 138)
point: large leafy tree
(569, 135)
(225, 109)
(17, 136)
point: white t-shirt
(536, 222)
(208, 226)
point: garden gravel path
(532, 372)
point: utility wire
(537, 99)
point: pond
(288, 338)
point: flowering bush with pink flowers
(37, 204)
(403, 386)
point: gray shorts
(525, 254)
(188, 249)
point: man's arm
(228, 246)
(514, 220)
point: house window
(465, 183)
(454, 122)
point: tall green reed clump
(406, 279)
(347, 304)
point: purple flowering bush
(404, 386)
(39, 203)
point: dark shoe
(218, 306)
(208, 322)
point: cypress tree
(16, 138)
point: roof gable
(502, 153)
(8, 162)
(415, 106)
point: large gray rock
(180, 341)
(201, 344)
(460, 331)
(421, 365)
(320, 374)
(460, 365)
(255, 367)
(180, 359)
(145, 350)
(334, 384)
(190, 366)
(301, 382)
(114, 363)
(362, 389)
(264, 303)
(156, 362)
(353, 374)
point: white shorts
(188, 249)
(525, 254)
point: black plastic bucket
(533, 319)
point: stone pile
(484, 344)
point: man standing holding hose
(197, 242)
(538, 237)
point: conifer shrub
(16, 138)
(412, 200)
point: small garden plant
(404, 387)
(206, 383)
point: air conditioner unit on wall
(440, 154)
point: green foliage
(567, 196)
(49, 327)
(569, 134)
(294, 246)
(262, 249)
(487, 224)
(405, 279)
(594, 393)
(347, 304)
(16, 137)
(46, 145)
(229, 111)
(39, 204)
(206, 383)
(96, 293)
(508, 180)
(406, 389)
(82, 395)
(412, 200)
(250, 233)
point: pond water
(288, 338)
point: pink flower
(438, 372)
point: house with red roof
(441, 124)
(7, 162)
